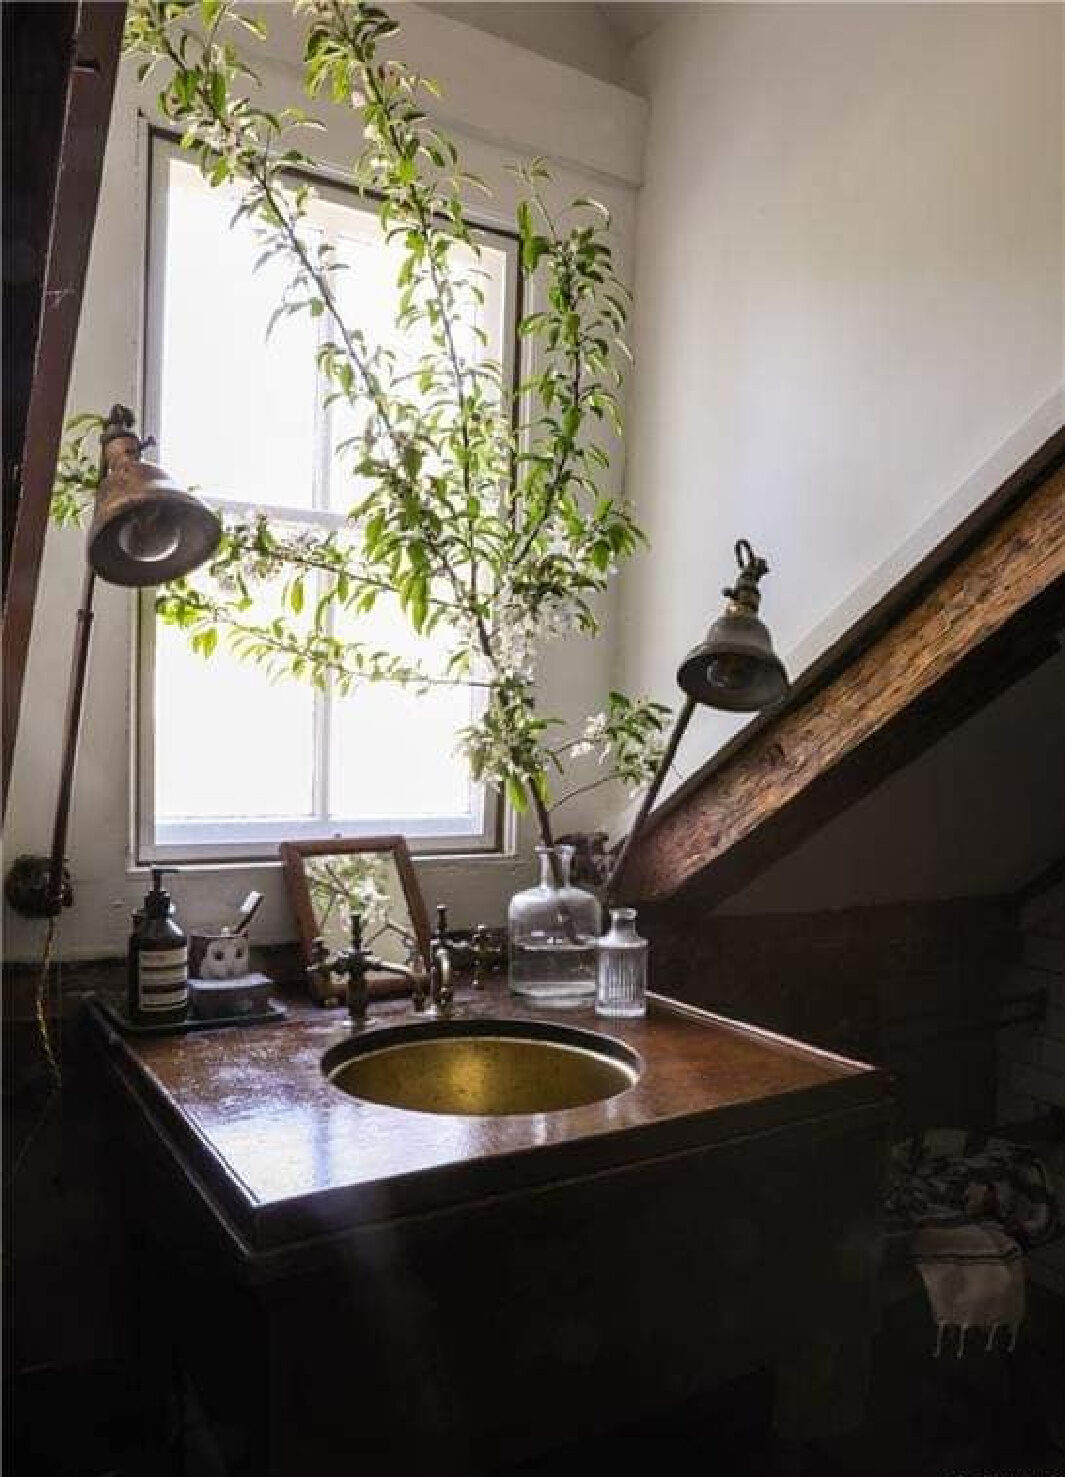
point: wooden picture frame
(294, 857)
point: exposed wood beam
(37, 45)
(90, 89)
(972, 618)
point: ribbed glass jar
(621, 981)
(554, 929)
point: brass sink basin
(483, 1067)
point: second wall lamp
(735, 669)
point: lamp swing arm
(683, 718)
(72, 731)
(119, 425)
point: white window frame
(257, 840)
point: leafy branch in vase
(478, 508)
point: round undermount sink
(482, 1068)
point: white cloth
(974, 1276)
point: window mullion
(321, 499)
(322, 742)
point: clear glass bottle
(621, 982)
(554, 929)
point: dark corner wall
(915, 987)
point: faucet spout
(438, 994)
(356, 962)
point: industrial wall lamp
(145, 530)
(735, 669)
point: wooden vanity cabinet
(460, 1336)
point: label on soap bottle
(163, 978)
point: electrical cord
(52, 1049)
(40, 1003)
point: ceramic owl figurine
(225, 957)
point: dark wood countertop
(284, 1157)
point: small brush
(246, 912)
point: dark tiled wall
(912, 987)
(1032, 1057)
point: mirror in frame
(370, 875)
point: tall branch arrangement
(477, 507)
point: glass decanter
(554, 929)
(621, 983)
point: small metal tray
(116, 1013)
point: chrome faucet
(355, 962)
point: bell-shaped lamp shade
(735, 668)
(145, 529)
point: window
(228, 762)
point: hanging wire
(52, 1048)
(41, 1003)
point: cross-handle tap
(481, 951)
(355, 963)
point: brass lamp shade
(145, 529)
(735, 668)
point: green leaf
(218, 92)
(533, 249)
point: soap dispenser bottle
(158, 961)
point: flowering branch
(479, 513)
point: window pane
(367, 292)
(393, 751)
(228, 742)
(393, 757)
(236, 411)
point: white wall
(849, 305)
(532, 106)
(850, 316)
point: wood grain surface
(94, 67)
(798, 766)
(284, 1154)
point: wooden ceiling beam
(94, 57)
(975, 616)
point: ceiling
(597, 37)
(634, 20)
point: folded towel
(974, 1277)
(965, 1205)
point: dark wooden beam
(89, 83)
(37, 44)
(976, 615)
